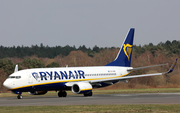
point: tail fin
(124, 56)
(16, 68)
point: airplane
(80, 80)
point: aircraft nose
(7, 84)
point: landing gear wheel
(88, 94)
(62, 94)
(59, 94)
(19, 97)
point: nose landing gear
(18, 93)
(19, 97)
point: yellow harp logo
(127, 50)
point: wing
(123, 78)
(136, 76)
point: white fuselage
(53, 77)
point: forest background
(45, 56)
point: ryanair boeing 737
(80, 80)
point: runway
(111, 99)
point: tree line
(38, 57)
(168, 47)
(51, 52)
(43, 51)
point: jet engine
(81, 87)
(37, 92)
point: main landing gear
(62, 93)
(88, 94)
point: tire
(19, 97)
(64, 94)
(60, 94)
(88, 94)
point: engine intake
(81, 87)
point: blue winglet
(172, 67)
(124, 56)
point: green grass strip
(147, 108)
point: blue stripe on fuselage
(44, 87)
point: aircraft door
(30, 78)
(34, 77)
(14, 83)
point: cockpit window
(18, 77)
(15, 77)
(12, 77)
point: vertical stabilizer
(16, 68)
(124, 56)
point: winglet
(172, 67)
(16, 68)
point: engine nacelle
(37, 92)
(81, 87)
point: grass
(100, 92)
(149, 108)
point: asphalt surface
(111, 99)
